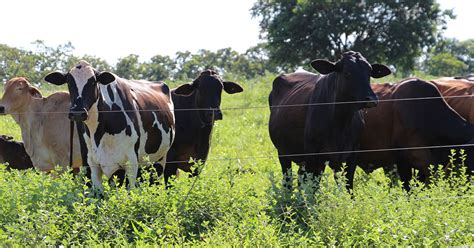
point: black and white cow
(125, 120)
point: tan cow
(44, 124)
(459, 94)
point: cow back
(458, 94)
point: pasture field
(236, 201)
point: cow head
(353, 73)
(208, 88)
(82, 81)
(18, 92)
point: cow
(14, 153)
(42, 121)
(196, 107)
(125, 121)
(458, 93)
(310, 114)
(402, 122)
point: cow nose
(78, 115)
(371, 101)
(2, 110)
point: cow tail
(71, 143)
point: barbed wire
(255, 107)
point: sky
(111, 29)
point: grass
(237, 201)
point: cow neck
(203, 125)
(188, 103)
(330, 90)
(92, 121)
(344, 111)
(26, 117)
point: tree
(462, 51)
(393, 32)
(53, 59)
(445, 64)
(129, 67)
(15, 62)
(159, 68)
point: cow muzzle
(78, 114)
(2, 110)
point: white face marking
(81, 73)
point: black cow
(14, 153)
(196, 108)
(320, 121)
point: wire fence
(254, 107)
(292, 106)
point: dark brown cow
(411, 123)
(322, 126)
(14, 154)
(193, 126)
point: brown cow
(43, 122)
(458, 94)
(14, 154)
(401, 124)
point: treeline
(183, 66)
(448, 57)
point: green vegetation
(390, 32)
(237, 201)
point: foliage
(237, 201)
(184, 66)
(393, 32)
(445, 64)
(17, 63)
(451, 57)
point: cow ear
(35, 93)
(323, 66)
(105, 77)
(184, 90)
(379, 70)
(57, 78)
(231, 87)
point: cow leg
(96, 178)
(132, 172)
(287, 173)
(159, 169)
(350, 171)
(171, 169)
(312, 170)
(405, 172)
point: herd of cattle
(336, 117)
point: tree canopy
(393, 32)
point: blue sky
(112, 29)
